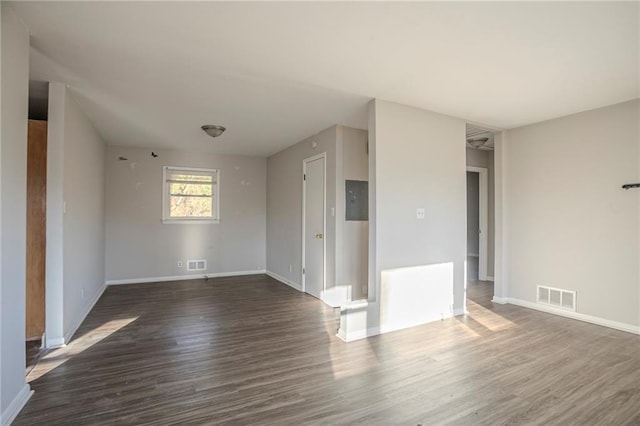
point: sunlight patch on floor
(471, 333)
(487, 318)
(59, 356)
(360, 360)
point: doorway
(314, 225)
(477, 223)
(35, 308)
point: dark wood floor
(249, 350)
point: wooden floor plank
(249, 350)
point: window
(190, 195)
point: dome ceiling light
(213, 130)
(477, 142)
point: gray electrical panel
(357, 200)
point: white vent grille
(196, 265)
(557, 297)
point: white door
(313, 225)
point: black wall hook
(631, 185)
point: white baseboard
(283, 280)
(341, 335)
(389, 328)
(16, 405)
(358, 335)
(55, 342)
(184, 277)
(74, 327)
(500, 300)
(490, 278)
(629, 328)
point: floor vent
(557, 297)
(196, 265)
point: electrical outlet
(82, 293)
(179, 263)
(420, 213)
(290, 268)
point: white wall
(54, 264)
(418, 161)
(352, 237)
(139, 246)
(83, 223)
(284, 208)
(75, 216)
(13, 178)
(482, 158)
(568, 223)
(501, 254)
(346, 242)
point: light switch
(420, 213)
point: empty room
(284, 213)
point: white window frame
(167, 219)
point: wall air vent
(196, 265)
(557, 297)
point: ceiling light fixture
(477, 142)
(213, 130)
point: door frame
(322, 155)
(483, 220)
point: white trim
(341, 335)
(16, 405)
(374, 331)
(490, 278)
(499, 300)
(483, 209)
(385, 328)
(629, 328)
(184, 277)
(360, 334)
(322, 155)
(53, 343)
(74, 327)
(459, 311)
(190, 221)
(283, 280)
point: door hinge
(303, 271)
(304, 177)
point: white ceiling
(151, 73)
